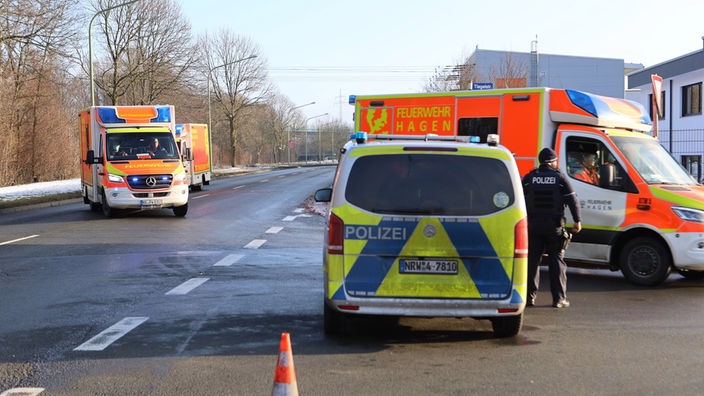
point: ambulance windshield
(141, 146)
(654, 164)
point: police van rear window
(429, 184)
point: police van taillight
(336, 236)
(520, 237)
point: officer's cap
(547, 155)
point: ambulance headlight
(180, 176)
(689, 214)
(115, 178)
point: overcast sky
(323, 50)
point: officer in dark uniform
(547, 191)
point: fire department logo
(150, 181)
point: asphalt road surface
(151, 304)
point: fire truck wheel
(180, 211)
(645, 261)
(107, 210)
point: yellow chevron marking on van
(421, 285)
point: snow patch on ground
(39, 189)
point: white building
(681, 126)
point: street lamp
(90, 46)
(210, 75)
(305, 125)
(288, 130)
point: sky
(326, 50)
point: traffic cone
(285, 375)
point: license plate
(150, 203)
(428, 266)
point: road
(151, 304)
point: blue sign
(481, 86)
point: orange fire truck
(131, 160)
(194, 142)
(644, 215)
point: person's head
(589, 160)
(548, 157)
(155, 143)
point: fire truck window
(481, 126)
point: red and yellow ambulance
(644, 215)
(131, 160)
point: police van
(426, 226)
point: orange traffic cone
(285, 375)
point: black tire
(107, 210)
(507, 326)
(95, 207)
(333, 322)
(645, 261)
(180, 211)
(692, 275)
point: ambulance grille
(150, 182)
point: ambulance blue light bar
(131, 114)
(583, 101)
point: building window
(693, 164)
(662, 103)
(692, 99)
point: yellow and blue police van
(425, 226)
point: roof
(668, 69)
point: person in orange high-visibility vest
(588, 173)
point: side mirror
(90, 157)
(323, 195)
(606, 175)
(188, 154)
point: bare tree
(239, 80)
(512, 72)
(33, 36)
(149, 50)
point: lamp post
(210, 74)
(90, 46)
(305, 125)
(288, 130)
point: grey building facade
(601, 76)
(681, 123)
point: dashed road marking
(22, 392)
(186, 287)
(112, 334)
(255, 244)
(228, 260)
(235, 188)
(200, 196)
(18, 239)
(274, 230)
(292, 218)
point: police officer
(547, 191)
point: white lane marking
(255, 244)
(186, 287)
(200, 196)
(274, 230)
(263, 181)
(112, 334)
(18, 239)
(22, 392)
(235, 188)
(229, 260)
(298, 210)
(292, 218)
